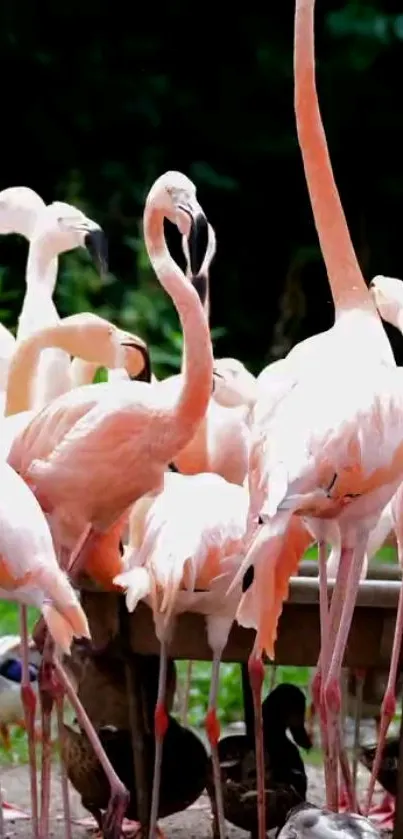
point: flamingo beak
(144, 375)
(197, 243)
(200, 284)
(97, 246)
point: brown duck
(184, 768)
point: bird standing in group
(187, 566)
(326, 388)
(30, 575)
(133, 424)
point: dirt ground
(194, 823)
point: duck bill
(301, 736)
(97, 246)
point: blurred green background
(97, 102)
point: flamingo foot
(113, 818)
(134, 830)
(12, 812)
(332, 703)
(383, 814)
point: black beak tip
(197, 242)
(97, 246)
(145, 374)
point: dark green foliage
(97, 102)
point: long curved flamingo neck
(197, 379)
(347, 283)
(38, 307)
(24, 363)
(21, 377)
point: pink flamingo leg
(384, 812)
(50, 693)
(389, 700)
(28, 699)
(360, 679)
(161, 722)
(64, 778)
(77, 555)
(329, 621)
(324, 636)
(256, 677)
(119, 795)
(46, 697)
(332, 695)
(213, 734)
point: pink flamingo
(19, 207)
(93, 338)
(74, 452)
(48, 446)
(50, 230)
(30, 574)
(356, 345)
(179, 569)
(58, 228)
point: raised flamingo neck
(197, 380)
(42, 267)
(24, 363)
(347, 283)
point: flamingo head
(96, 340)
(234, 385)
(175, 195)
(387, 294)
(19, 210)
(61, 227)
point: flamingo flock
(310, 451)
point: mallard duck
(305, 821)
(286, 782)
(11, 710)
(184, 768)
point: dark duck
(384, 813)
(184, 762)
(286, 781)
